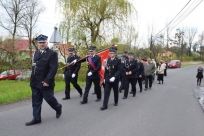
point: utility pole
(180, 35)
(150, 46)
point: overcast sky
(150, 13)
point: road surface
(166, 110)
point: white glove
(112, 79)
(74, 61)
(63, 76)
(89, 74)
(104, 81)
(73, 75)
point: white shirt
(163, 65)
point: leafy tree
(89, 17)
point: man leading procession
(44, 69)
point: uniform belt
(70, 70)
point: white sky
(150, 12)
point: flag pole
(113, 46)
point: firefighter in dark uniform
(125, 54)
(122, 75)
(44, 68)
(139, 73)
(92, 75)
(130, 70)
(111, 78)
(71, 73)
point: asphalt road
(166, 110)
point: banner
(104, 55)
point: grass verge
(189, 64)
(12, 91)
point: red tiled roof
(20, 45)
(64, 47)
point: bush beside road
(12, 91)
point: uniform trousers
(97, 88)
(139, 80)
(37, 99)
(69, 80)
(108, 87)
(131, 81)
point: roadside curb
(199, 95)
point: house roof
(20, 45)
(64, 47)
(23, 45)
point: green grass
(188, 64)
(12, 91)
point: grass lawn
(11, 91)
(191, 64)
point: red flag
(104, 55)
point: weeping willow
(89, 16)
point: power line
(183, 17)
(174, 18)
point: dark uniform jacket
(140, 69)
(96, 60)
(72, 69)
(113, 69)
(44, 68)
(130, 66)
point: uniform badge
(34, 64)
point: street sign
(55, 38)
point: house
(21, 49)
(62, 50)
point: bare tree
(28, 22)
(189, 35)
(200, 43)
(11, 19)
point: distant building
(21, 48)
(62, 50)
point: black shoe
(120, 90)
(58, 113)
(33, 122)
(116, 104)
(93, 93)
(83, 102)
(133, 95)
(159, 83)
(150, 88)
(140, 90)
(145, 89)
(81, 94)
(65, 98)
(124, 97)
(103, 108)
(97, 100)
(130, 92)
